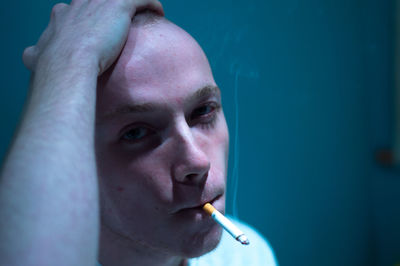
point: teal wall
(314, 81)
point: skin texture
(167, 155)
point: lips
(198, 206)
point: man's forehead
(153, 50)
(161, 59)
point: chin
(202, 243)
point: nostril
(196, 176)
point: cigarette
(226, 224)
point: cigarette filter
(226, 224)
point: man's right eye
(136, 134)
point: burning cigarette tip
(243, 239)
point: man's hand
(90, 31)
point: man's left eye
(204, 111)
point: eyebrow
(204, 92)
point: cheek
(126, 176)
(216, 145)
(153, 175)
(220, 139)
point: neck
(116, 249)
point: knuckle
(58, 8)
(28, 52)
(28, 57)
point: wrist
(55, 63)
(60, 79)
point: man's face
(161, 143)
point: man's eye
(203, 111)
(136, 134)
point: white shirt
(230, 252)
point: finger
(133, 6)
(153, 5)
(57, 9)
(77, 2)
(29, 57)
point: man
(130, 112)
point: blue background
(314, 83)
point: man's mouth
(199, 207)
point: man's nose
(191, 163)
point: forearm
(48, 185)
(48, 190)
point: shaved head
(154, 46)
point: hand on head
(91, 31)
